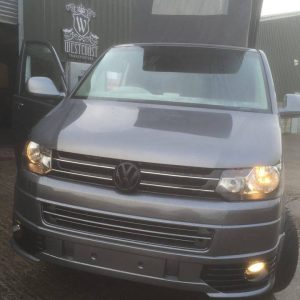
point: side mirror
(43, 86)
(291, 106)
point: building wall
(44, 20)
(9, 11)
(280, 39)
(8, 57)
(127, 21)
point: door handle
(20, 105)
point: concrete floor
(20, 279)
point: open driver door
(39, 70)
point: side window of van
(39, 62)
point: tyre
(287, 264)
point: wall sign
(79, 42)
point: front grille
(155, 178)
(231, 278)
(149, 233)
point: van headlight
(38, 158)
(250, 184)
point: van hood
(162, 134)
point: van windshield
(181, 75)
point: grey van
(163, 166)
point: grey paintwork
(143, 132)
(239, 223)
(209, 137)
(201, 137)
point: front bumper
(243, 232)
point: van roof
(188, 45)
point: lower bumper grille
(149, 233)
(231, 278)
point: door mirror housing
(291, 106)
(43, 86)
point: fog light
(256, 271)
(16, 228)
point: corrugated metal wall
(9, 11)
(112, 22)
(126, 21)
(280, 40)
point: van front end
(164, 166)
(204, 245)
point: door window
(39, 61)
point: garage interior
(8, 66)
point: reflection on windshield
(184, 75)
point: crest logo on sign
(79, 42)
